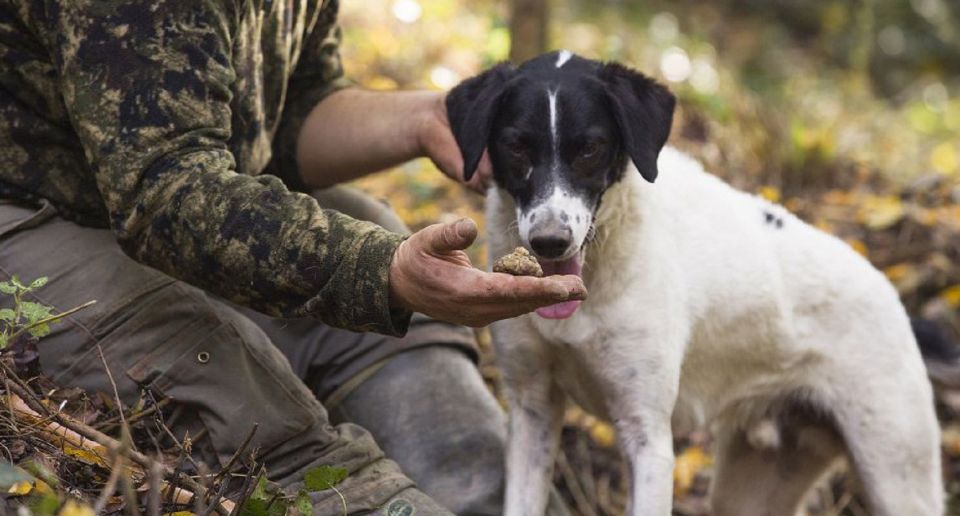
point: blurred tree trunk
(528, 29)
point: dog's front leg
(642, 379)
(535, 410)
(647, 443)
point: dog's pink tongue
(567, 308)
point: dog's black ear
(644, 112)
(471, 107)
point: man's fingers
(454, 236)
(535, 291)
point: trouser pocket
(226, 369)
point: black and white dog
(707, 306)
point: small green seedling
(27, 317)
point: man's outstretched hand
(431, 274)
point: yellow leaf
(952, 296)
(897, 272)
(686, 467)
(858, 246)
(178, 513)
(603, 434)
(72, 508)
(85, 455)
(881, 212)
(770, 193)
(21, 488)
(950, 439)
(944, 158)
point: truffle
(518, 263)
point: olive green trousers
(410, 418)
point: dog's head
(559, 130)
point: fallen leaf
(603, 434)
(881, 212)
(685, 469)
(73, 508)
(21, 488)
(770, 193)
(952, 296)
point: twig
(236, 454)
(585, 507)
(247, 489)
(153, 499)
(133, 418)
(83, 431)
(342, 499)
(220, 492)
(125, 428)
(49, 319)
(130, 503)
(13, 419)
(110, 487)
(180, 446)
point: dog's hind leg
(892, 437)
(768, 469)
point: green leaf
(258, 507)
(33, 312)
(8, 288)
(3, 340)
(253, 507)
(304, 504)
(324, 477)
(40, 330)
(7, 314)
(260, 490)
(39, 282)
(16, 283)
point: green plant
(268, 500)
(27, 317)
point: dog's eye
(516, 148)
(591, 149)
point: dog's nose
(551, 244)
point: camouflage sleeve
(318, 73)
(147, 85)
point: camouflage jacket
(174, 123)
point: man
(173, 132)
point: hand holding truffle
(431, 274)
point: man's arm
(147, 85)
(354, 132)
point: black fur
(471, 107)
(567, 129)
(644, 112)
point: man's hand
(436, 141)
(431, 274)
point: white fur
(560, 202)
(701, 313)
(562, 57)
(554, 138)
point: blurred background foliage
(846, 112)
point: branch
(28, 407)
(50, 319)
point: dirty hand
(437, 142)
(431, 274)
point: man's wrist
(428, 116)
